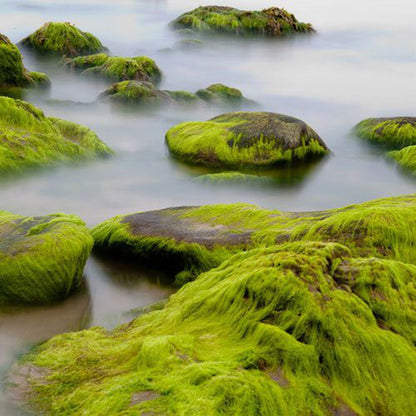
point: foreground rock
(63, 39)
(28, 138)
(41, 258)
(145, 93)
(244, 140)
(268, 22)
(12, 71)
(317, 318)
(117, 68)
(393, 133)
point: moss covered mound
(63, 39)
(221, 93)
(41, 258)
(318, 319)
(143, 92)
(116, 68)
(268, 22)
(196, 239)
(245, 139)
(29, 138)
(393, 133)
(12, 71)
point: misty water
(360, 63)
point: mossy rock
(28, 138)
(117, 68)
(393, 133)
(136, 93)
(318, 319)
(63, 39)
(143, 93)
(195, 239)
(41, 258)
(268, 22)
(245, 140)
(12, 71)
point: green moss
(396, 132)
(41, 258)
(12, 71)
(268, 22)
(233, 177)
(183, 97)
(299, 328)
(243, 140)
(393, 133)
(220, 92)
(116, 68)
(63, 39)
(28, 138)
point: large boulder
(29, 138)
(319, 319)
(393, 133)
(63, 39)
(245, 140)
(117, 68)
(268, 22)
(12, 71)
(41, 258)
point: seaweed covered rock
(12, 71)
(196, 239)
(245, 140)
(319, 319)
(29, 138)
(41, 258)
(232, 177)
(142, 92)
(117, 68)
(268, 22)
(393, 133)
(63, 39)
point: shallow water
(361, 63)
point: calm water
(361, 63)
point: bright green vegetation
(268, 22)
(12, 71)
(220, 92)
(29, 138)
(142, 92)
(63, 39)
(318, 317)
(245, 140)
(393, 133)
(41, 258)
(117, 68)
(231, 177)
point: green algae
(41, 258)
(297, 328)
(268, 22)
(63, 39)
(28, 138)
(232, 177)
(183, 97)
(12, 72)
(393, 133)
(117, 68)
(220, 92)
(245, 140)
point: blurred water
(361, 63)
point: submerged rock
(138, 92)
(63, 39)
(117, 68)
(268, 22)
(29, 138)
(318, 317)
(12, 71)
(245, 139)
(41, 258)
(393, 133)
